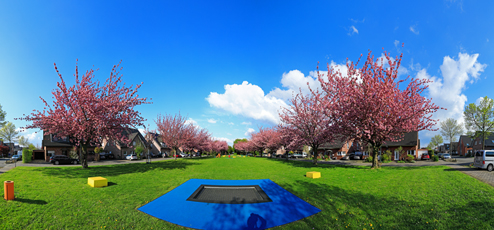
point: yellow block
(97, 182)
(313, 175)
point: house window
(134, 143)
(347, 146)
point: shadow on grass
(114, 170)
(340, 207)
(29, 201)
(339, 164)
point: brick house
(157, 144)
(453, 148)
(335, 149)
(464, 145)
(410, 144)
(120, 150)
(477, 143)
(55, 145)
(5, 145)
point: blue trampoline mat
(283, 209)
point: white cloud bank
(447, 92)
(247, 100)
(212, 121)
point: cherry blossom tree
(368, 104)
(304, 122)
(87, 112)
(174, 131)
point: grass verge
(429, 197)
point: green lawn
(434, 197)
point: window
(134, 143)
(489, 154)
(347, 145)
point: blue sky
(230, 65)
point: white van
(484, 159)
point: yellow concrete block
(313, 175)
(97, 182)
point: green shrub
(27, 154)
(435, 158)
(412, 161)
(401, 162)
(386, 157)
(410, 158)
(368, 159)
(138, 150)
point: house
(410, 144)
(157, 144)
(4, 145)
(477, 143)
(465, 145)
(454, 148)
(56, 145)
(120, 149)
(335, 149)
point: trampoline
(229, 204)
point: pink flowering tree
(274, 141)
(305, 124)
(259, 140)
(289, 142)
(370, 106)
(87, 112)
(174, 130)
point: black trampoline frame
(261, 195)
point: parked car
(425, 157)
(62, 159)
(105, 156)
(484, 159)
(446, 156)
(178, 155)
(355, 156)
(346, 157)
(17, 157)
(131, 157)
(440, 155)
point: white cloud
(213, 121)
(230, 123)
(352, 30)
(412, 28)
(33, 137)
(246, 123)
(229, 134)
(249, 131)
(247, 100)
(193, 122)
(295, 80)
(446, 92)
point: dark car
(355, 156)
(62, 159)
(105, 156)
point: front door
(397, 155)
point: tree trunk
(314, 155)
(84, 156)
(375, 160)
(175, 154)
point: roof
(467, 140)
(489, 142)
(410, 139)
(131, 135)
(335, 144)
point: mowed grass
(350, 197)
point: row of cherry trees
(177, 133)
(366, 104)
(89, 113)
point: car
(355, 156)
(62, 159)
(484, 159)
(178, 155)
(440, 155)
(105, 156)
(425, 157)
(17, 157)
(346, 157)
(446, 156)
(131, 157)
